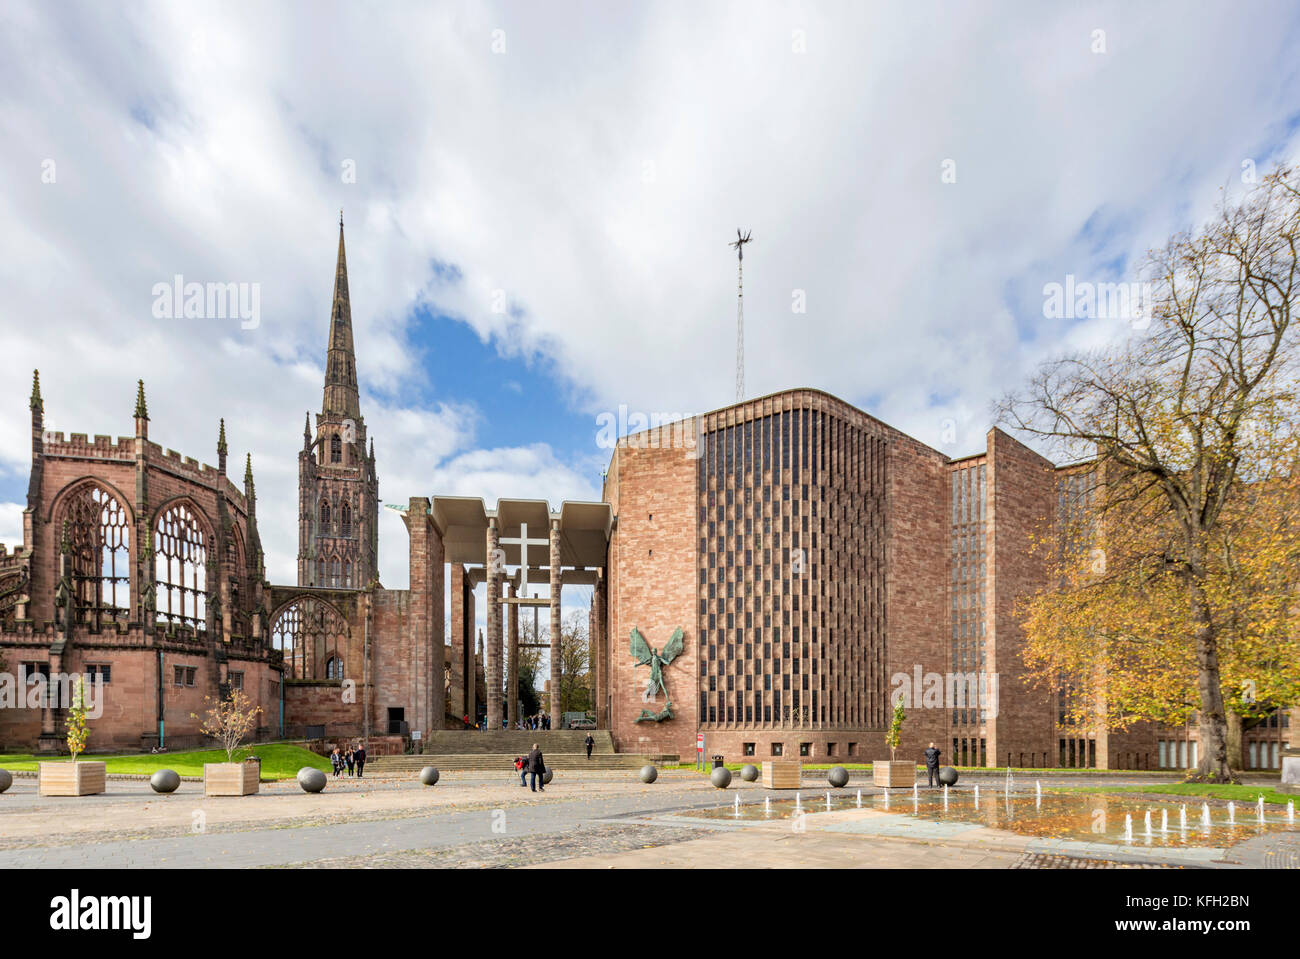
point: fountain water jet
(1128, 827)
(977, 794)
(859, 798)
(737, 805)
(767, 806)
(1182, 816)
(1290, 811)
(828, 801)
(1205, 815)
(1146, 822)
(1232, 813)
(1259, 809)
(1164, 820)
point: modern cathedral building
(768, 576)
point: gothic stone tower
(338, 489)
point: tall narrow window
(180, 568)
(325, 517)
(336, 449)
(99, 535)
(345, 520)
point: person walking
(932, 765)
(348, 759)
(536, 767)
(336, 760)
(360, 757)
(589, 742)
(522, 768)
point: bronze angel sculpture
(647, 655)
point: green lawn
(1247, 794)
(279, 761)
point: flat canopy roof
(463, 521)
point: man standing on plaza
(360, 757)
(536, 767)
(589, 742)
(932, 765)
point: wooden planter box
(782, 773)
(71, 779)
(231, 779)
(890, 773)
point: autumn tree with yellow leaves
(1174, 586)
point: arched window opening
(325, 516)
(180, 569)
(347, 574)
(320, 572)
(311, 636)
(336, 449)
(99, 536)
(334, 573)
(345, 520)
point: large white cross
(523, 542)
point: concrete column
(555, 624)
(492, 651)
(456, 704)
(416, 652)
(437, 698)
(599, 654)
(512, 668)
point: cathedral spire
(340, 360)
(36, 402)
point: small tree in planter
(228, 722)
(893, 772)
(75, 778)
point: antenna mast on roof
(739, 244)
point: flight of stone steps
(495, 751)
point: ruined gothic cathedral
(143, 570)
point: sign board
(417, 734)
(699, 742)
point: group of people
(353, 760)
(532, 766)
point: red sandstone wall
(917, 557)
(1022, 500)
(652, 559)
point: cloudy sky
(539, 197)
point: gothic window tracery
(345, 520)
(311, 635)
(336, 449)
(325, 516)
(180, 568)
(99, 536)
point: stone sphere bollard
(163, 781)
(311, 779)
(720, 777)
(6, 780)
(649, 774)
(947, 776)
(749, 773)
(838, 777)
(547, 775)
(429, 776)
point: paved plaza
(584, 820)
